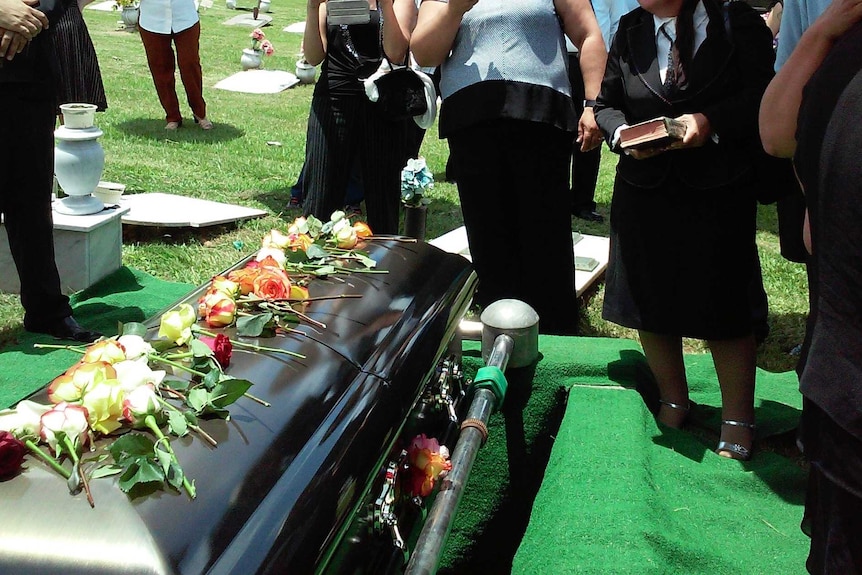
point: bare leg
(735, 365)
(664, 356)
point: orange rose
(71, 385)
(299, 242)
(245, 277)
(270, 262)
(271, 283)
(217, 308)
(362, 230)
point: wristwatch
(589, 103)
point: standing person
(683, 217)
(79, 78)
(810, 112)
(344, 125)
(510, 120)
(796, 17)
(586, 164)
(27, 107)
(164, 23)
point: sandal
(172, 126)
(677, 407)
(203, 123)
(737, 451)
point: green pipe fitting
(492, 378)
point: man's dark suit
(27, 116)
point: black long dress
(78, 76)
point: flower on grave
(176, 325)
(65, 420)
(139, 403)
(12, 452)
(71, 385)
(134, 373)
(428, 462)
(104, 404)
(362, 230)
(275, 239)
(221, 347)
(274, 257)
(259, 43)
(416, 181)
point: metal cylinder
(426, 556)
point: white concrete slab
(258, 81)
(106, 6)
(295, 28)
(248, 19)
(590, 252)
(173, 211)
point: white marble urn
(78, 164)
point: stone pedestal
(86, 248)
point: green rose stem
(252, 346)
(209, 439)
(53, 463)
(150, 422)
(81, 477)
(78, 348)
(157, 357)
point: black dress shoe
(590, 216)
(65, 328)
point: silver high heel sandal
(738, 451)
(677, 407)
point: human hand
(589, 134)
(20, 17)
(11, 44)
(838, 17)
(697, 131)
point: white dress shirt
(662, 44)
(167, 16)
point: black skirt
(79, 78)
(682, 260)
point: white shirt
(167, 16)
(662, 44)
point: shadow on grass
(154, 129)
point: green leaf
(316, 252)
(254, 325)
(164, 457)
(296, 257)
(105, 471)
(366, 261)
(324, 271)
(228, 391)
(177, 384)
(130, 446)
(177, 423)
(134, 328)
(199, 348)
(211, 379)
(142, 470)
(197, 399)
(190, 417)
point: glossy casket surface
(278, 492)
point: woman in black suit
(683, 216)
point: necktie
(675, 77)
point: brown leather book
(653, 133)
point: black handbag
(400, 93)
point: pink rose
(139, 403)
(428, 462)
(66, 418)
(12, 453)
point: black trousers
(513, 184)
(340, 130)
(585, 165)
(26, 179)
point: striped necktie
(675, 77)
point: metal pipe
(426, 556)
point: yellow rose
(109, 350)
(104, 403)
(177, 324)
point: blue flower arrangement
(416, 179)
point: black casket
(306, 485)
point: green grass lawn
(233, 163)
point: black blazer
(726, 81)
(36, 65)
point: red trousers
(160, 58)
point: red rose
(12, 453)
(222, 348)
